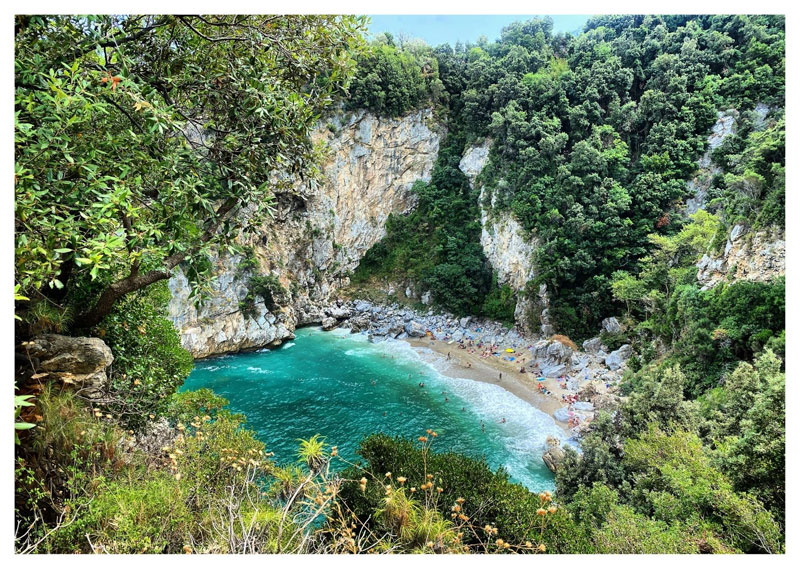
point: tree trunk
(136, 281)
(114, 292)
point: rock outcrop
(701, 182)
(554, 454)
(79, 362)
(756, 256)
(317, 235)
(505, 243)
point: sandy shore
(471, 366)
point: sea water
(343, 387)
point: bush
(149, 362)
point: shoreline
(471, 367)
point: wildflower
(506, 545)
(499, 542)
(413, 490)
(429, 476)
(187, 549)
(363, 481)
(434, 434)
(152, 416)
(388, 474)
(401, 480)
(460, 500)
(178, 476)
(528, 544)
(439, 489)
(542, 548)
(137, 382)
(551, 510)
(422, 439)
(334, 451)
(541, 512)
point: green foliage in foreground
(149, 361)
(716, 464)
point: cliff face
(315, 237)
(504, 242)
(756, 256)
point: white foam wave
(259, 370)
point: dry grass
(564, 340)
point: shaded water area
(343, 387)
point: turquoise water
(343, 387)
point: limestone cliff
(317, 235)
(505, 243)
(756, 256)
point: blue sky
(438, 29)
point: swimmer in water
(483, 427)
(422, 384)
(503, 421)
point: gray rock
(584, 406)
(736, 232)
(611, 325)
(594, 345)
(554, 455)
(329, 323)
(562, 414)
(426, 298)
(464, 322)
(414, 329)
(617, 358)
(78, 361)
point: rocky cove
(319, 234)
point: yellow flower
(363, 481)
(401, 480)
(551, 510)
(388, 474)
(541, 512)
(542, 548)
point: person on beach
(448, 355)
(500, 377)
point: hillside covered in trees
(146, 143)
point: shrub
(149, 362)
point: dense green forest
(140, 141)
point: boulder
(583, 406)
(426, 298)
(594, 345)
(562, 414)
(554, 455)
(329, 323)
(78, 361)
(553, 357)
(338, 312)
(414, 329)
(617, 358)
(611, 325)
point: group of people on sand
(569, 398)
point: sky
(438, 29)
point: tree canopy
(143, 140)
